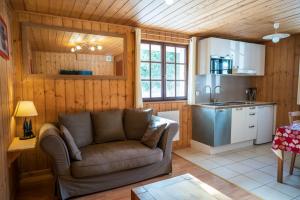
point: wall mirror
(57, 51)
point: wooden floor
(41, 188)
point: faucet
(212, 92)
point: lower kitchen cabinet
(243, 124)
(216, 127)
(265, 124)
(238, 118)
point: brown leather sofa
(107, 165)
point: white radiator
(172, 115)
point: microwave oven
(220, 65)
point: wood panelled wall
(52, 62)
(7, 124)
(54, 95)
(280, 82)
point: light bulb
(99, 47)
(78, 47)
(92, 48)
(275, 39)
(73, 49)
(169, 2)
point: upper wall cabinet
(247, 58)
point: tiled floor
(252, 168)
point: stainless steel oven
(220, 65)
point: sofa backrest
(106, 126)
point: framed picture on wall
(4, 52)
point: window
(163, 71)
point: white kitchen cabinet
(237, 124)
(265, 124)
(251, 123)
(219, 47)
(248, 58)
(214, 47)
(243, 124)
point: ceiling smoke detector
(275, 37)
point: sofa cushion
(108, 126)
(136, 122)
(80, 127)
(73, 150)
(99, 159)
(153, 135)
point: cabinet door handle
(239, 109)
(252, 114)
(252, 108)
(251, 126)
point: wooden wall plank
(7, 94)
(88, 95)
(280, 83)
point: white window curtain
(138, 103)
(192, 70)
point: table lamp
(26, 109)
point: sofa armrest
(51, 142)
(169, 133)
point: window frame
(163, 71)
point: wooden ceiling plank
(114, 8)
(166, 10)
(228, 8)
(43, 6)
(134, 10)
(90, 8)
(67, 7)
(30, 5)
(55, 7)
(240, 18)
(103, 6)
(17, 4)
(234, 19)
(78, 8)
(263, 19)
(218, 19)
(122, 11)
(133, 20)
(186, 12)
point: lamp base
(27, 128)
(27, 137)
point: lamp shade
(25, 109)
